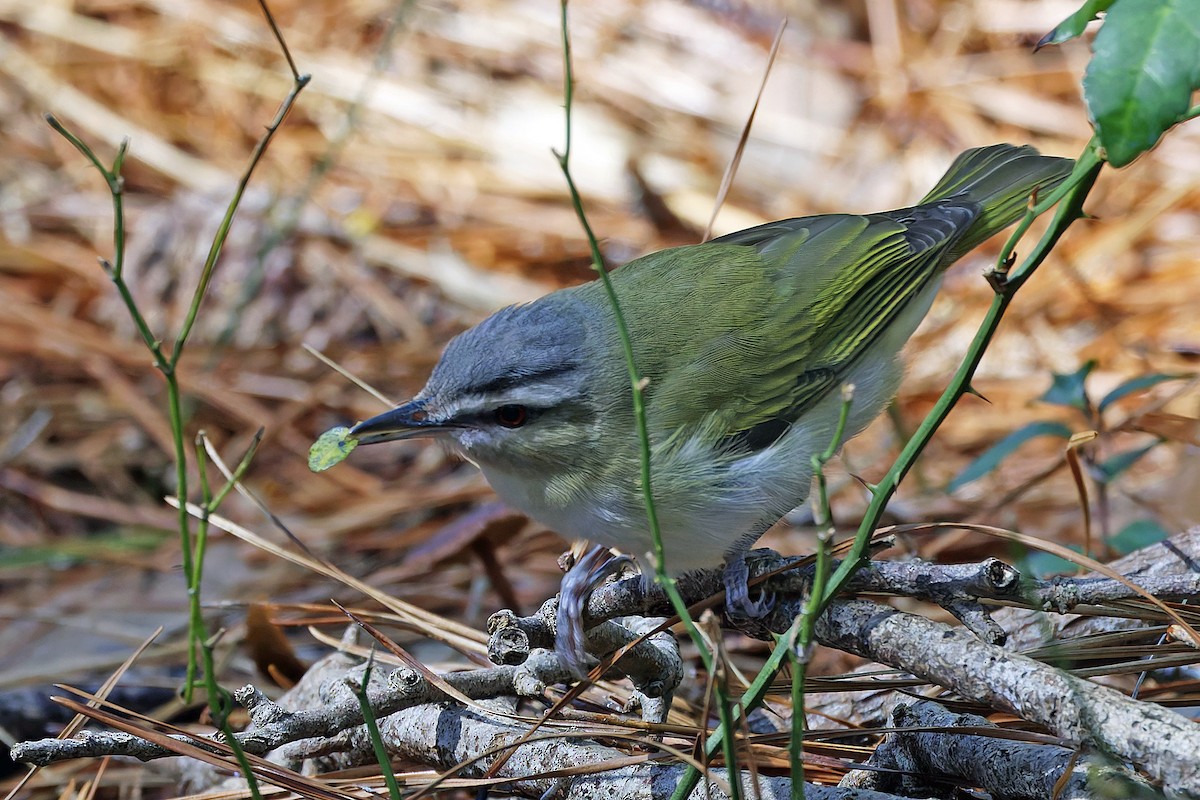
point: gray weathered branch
(908, 761)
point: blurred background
(413, 190)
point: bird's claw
(739, 606)
(577, 585)
(750, 608)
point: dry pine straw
(442, 202)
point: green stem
(368, 714)
(796, 739)
(219, 701)
(637, 384)
(214, 252)
(1078, 185)
(799, 640)
(1041, 206)
(728, 721)
(285, 217)
(116, 268)
(819, 460)
(209, 505)
(220, 704)
(800, 650)
(191, 554)
(752, 698)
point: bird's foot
(739, 606)
(596, 565)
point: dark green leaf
(1136, 535)
(1039, 564)
(1143, 71)
(1068, 389)
(1136, 385)
(1122, 461)
(1075, 24)
(1004, 448)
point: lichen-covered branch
(1160, 742)
(912, 762)
(960, 588)
(275, 724)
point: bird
(743, 343)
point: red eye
(512, 416)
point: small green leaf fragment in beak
(331, 448)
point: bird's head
(517, 391)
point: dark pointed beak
(407, 421)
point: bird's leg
(738, 604)
(596, 565)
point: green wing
(748, 332)
(789, 308)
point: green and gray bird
(744, 341)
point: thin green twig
(800, 651)
(220, 703)
(1005, 283)
(115, 269)
(1069, 209)
(285, 216)
(368, 714)
(819, 460)
(636, 381)
(800, 637)
(168, 365)
(232, 481)
(728, 720)
(214, 252)
(726, 713)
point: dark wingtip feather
(1000, 178)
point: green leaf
(1143, 71)
(1068, 389)
(117, 544)
(331, 448)
(1136, 535)
(1114, 466)
(1075, 24)
(1002, 449)
(1136, 385)
(1040, 564)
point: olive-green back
(759, 325)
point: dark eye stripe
(506, 382)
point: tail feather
(1000, 178)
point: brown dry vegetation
(413, 190)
